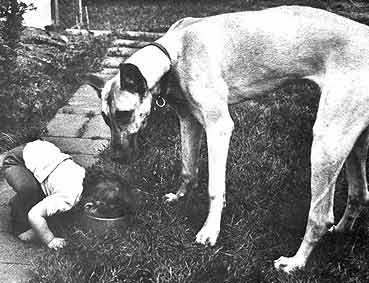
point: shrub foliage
(11, 12)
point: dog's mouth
(126, 151)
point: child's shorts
(28, 194)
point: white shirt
(42, 157)
(60, 177)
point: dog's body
(229, 58)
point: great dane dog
(230, 58)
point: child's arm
(37, 219)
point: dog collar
(162, 49)
(160, 100)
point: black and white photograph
(184, 141)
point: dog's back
(261, 49)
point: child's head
(112, 197)
(113, 192)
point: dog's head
(126, 104)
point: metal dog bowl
(103, 225)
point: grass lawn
(159, 15)
(268, 191)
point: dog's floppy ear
(95, 81)
(132, 79)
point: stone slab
(88, 32)
(91, 99)
(84, 101)
(80, 109)
(104, 76)
(5, 219)
(15, 273)
(130, 43)
(6, 193)
(66, 125)
(15, 251)
(121, 51)
(78, 145)
(85, 90)
(96, 128)
(112, 62)
(87, 105)
(112, 71)
(140, 35)
(85, 160)
(15, 256)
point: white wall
(40, 17)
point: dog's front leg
(218, 133)
(191, 136)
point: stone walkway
(79, 130)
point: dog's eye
(106, 118)
(123, 116)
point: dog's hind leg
(191, 136)
(357, 183)
(342, 116)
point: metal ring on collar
(160, 102)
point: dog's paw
(333, 229)
(170, 197)
(207, 236)
(289, 264)
(174, 197)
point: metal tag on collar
(160, 102)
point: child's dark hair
(110, 189)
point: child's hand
(57, 243)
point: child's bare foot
(27, 236)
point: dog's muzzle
(124, 149)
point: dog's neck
(152, 63)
